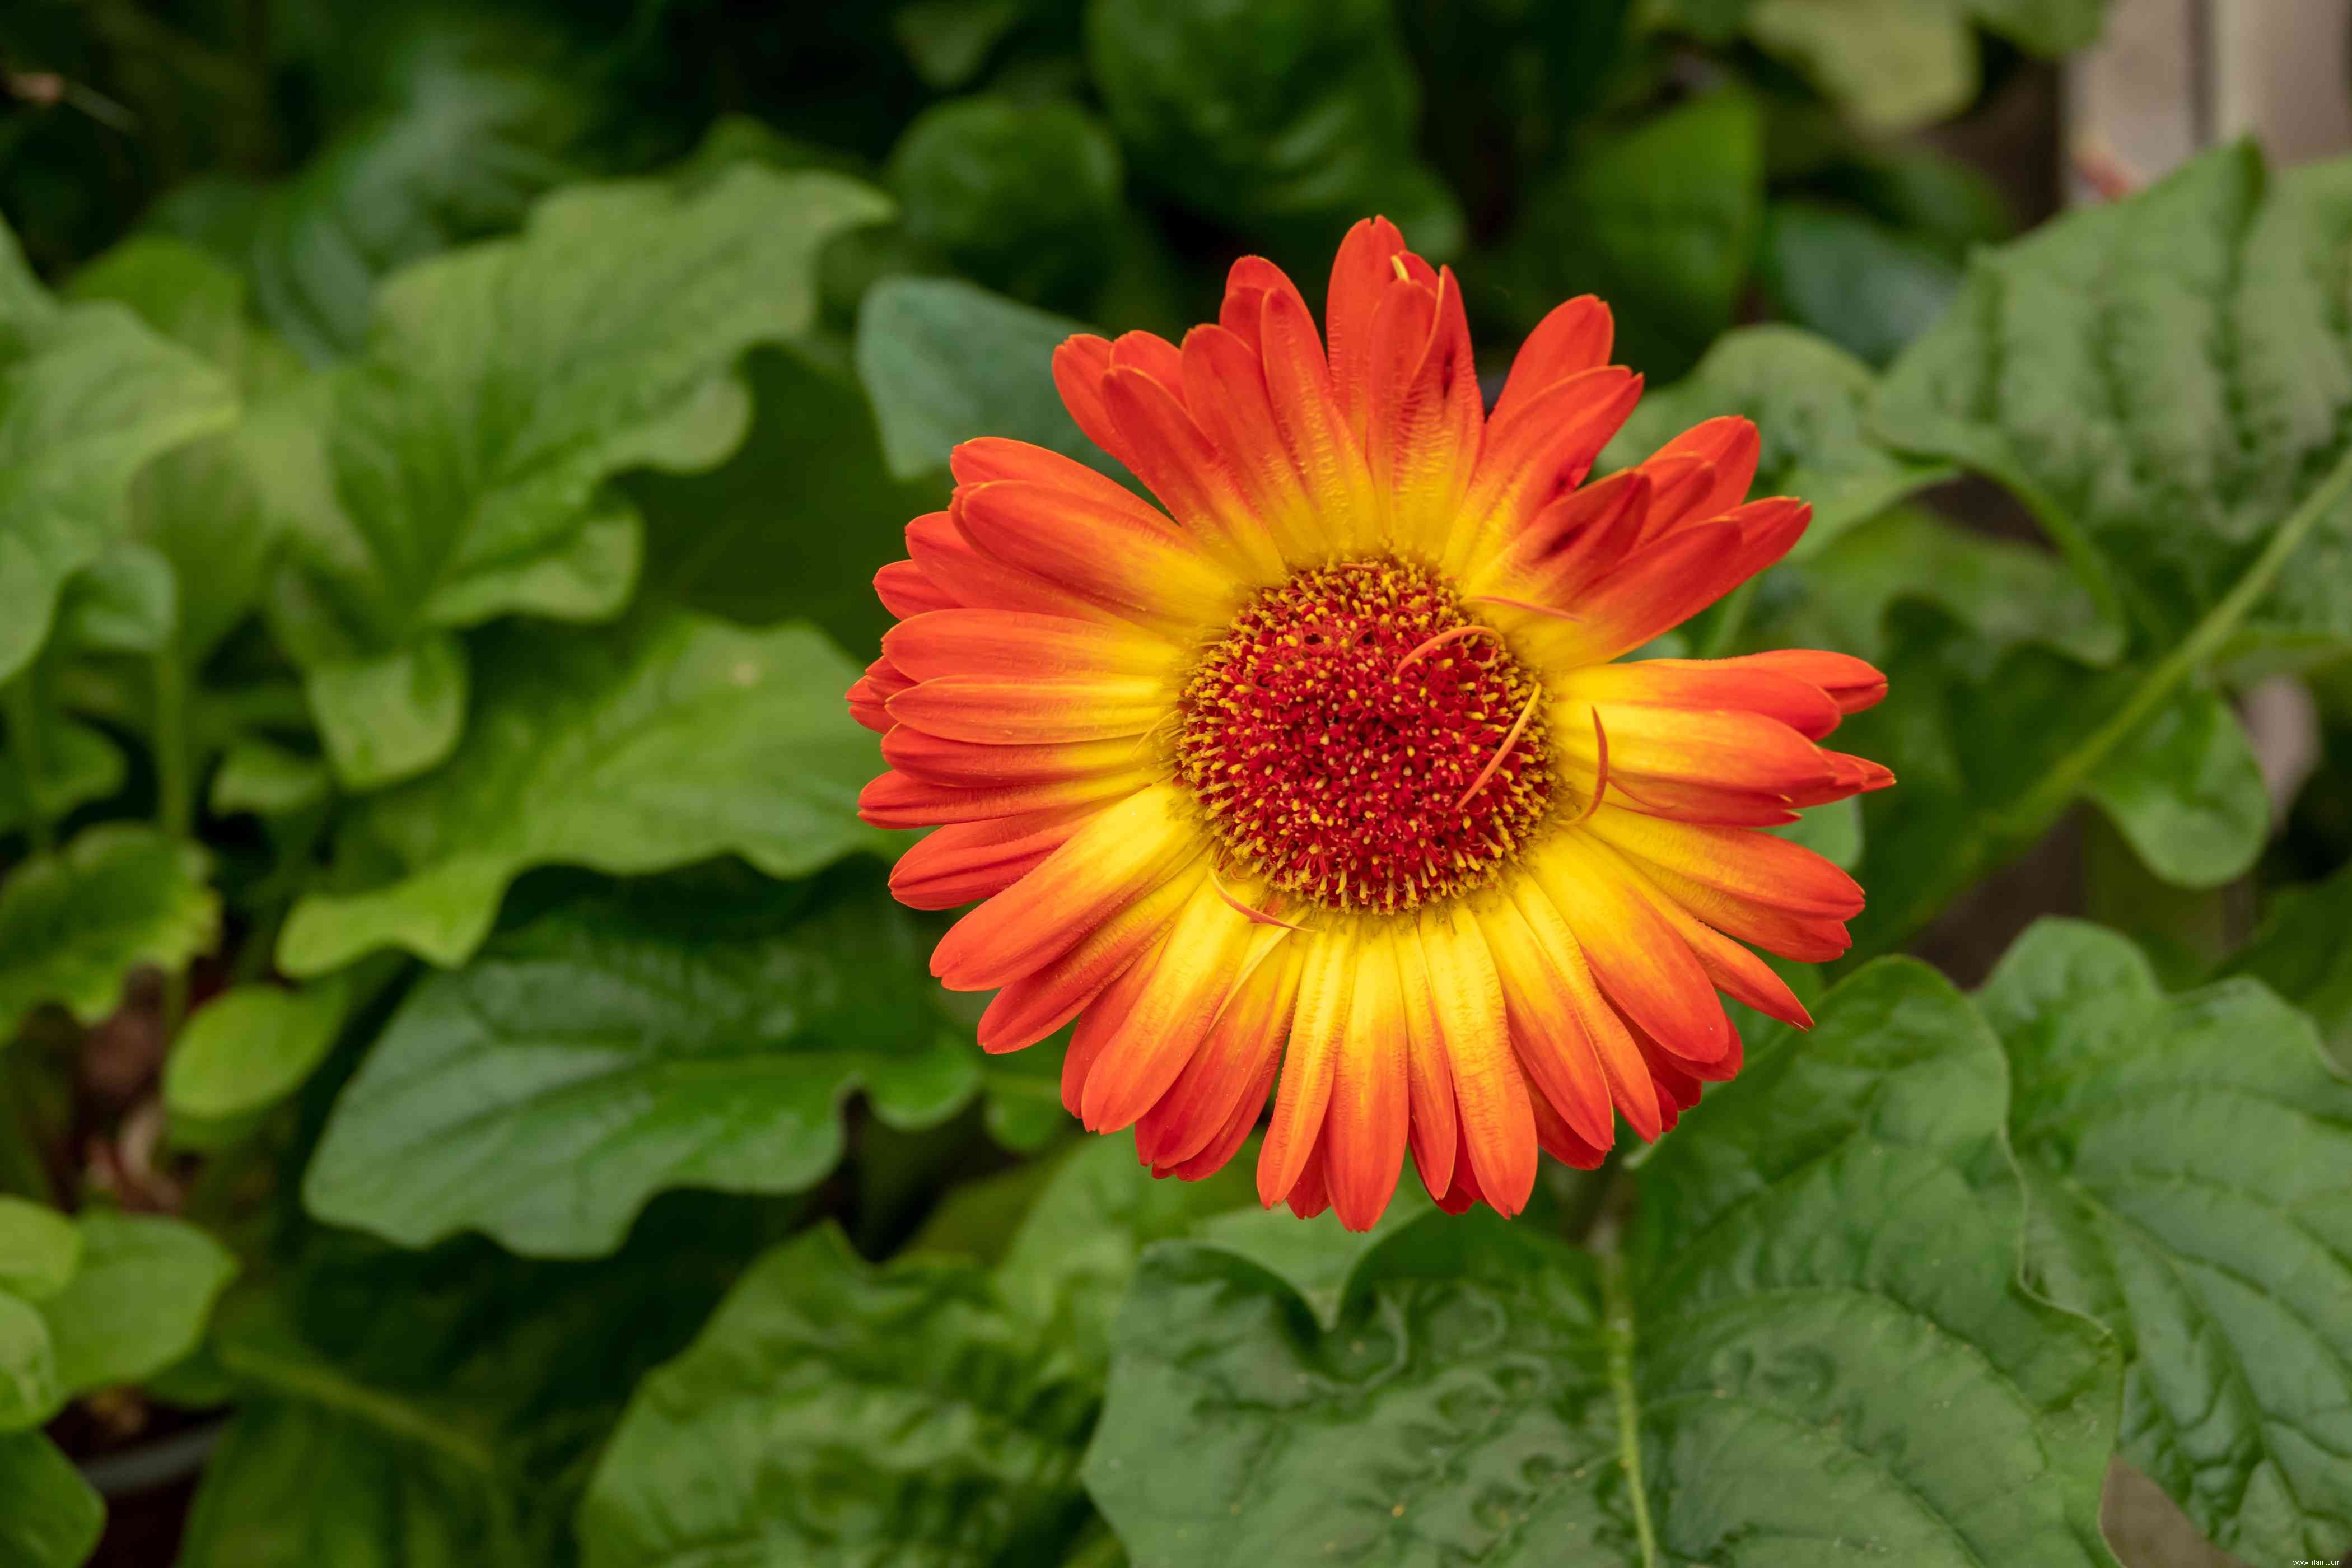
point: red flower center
(1358, 740)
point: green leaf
(668, 739)
(383, 718)
(251, 1046)
(78, 764)
(796, 524)
(262, 777)
(2163, 380)
(1025, 197)
(138, 1303)
(88, 396)
(1867, 288)
(49, 1517)
(2300, 953)
(1809, 399)
(603, 337)
(1832, 831)
(1662, 221)
(472, 119)
(1290, 122)
(1891, 65)
(948, 41)
(2186, 1160)
(441, 1410)
(630, 1043)
(945, 362)
(74, 924)
(39, 1248)
(2187, 792)
(1815, 1347)
(199, 508)
(30, 1393)
(928, 1412)
(2049, 29)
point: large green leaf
(440, 1410)
(1868, 287)
(665, 740)
(39, 1248)
(1290, 121)
(2163, 379)
(49, 1517)
(468, 120)
(73, 924)
(1809, 399)
(1814, 1349)
(945, 362)
(1023, 197)
(1662, 221)
(2189, 1165)
(929, 1413)
(88, 395)
(459, 467)
(629, 1043)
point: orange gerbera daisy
(1331, 778)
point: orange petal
(1726, 450)
(1311, 1194)
(1435, 1131)
(1144, 572)
(1327, 986)
(1019, 644)
(1497, 1129)
(968, 861)
(896, 800)
(991, 459)
(1646, 970)
(948, 557)
(906, 589)
(1121, 855)
(1756, 868)
(974, 764)
(1032, 1006)
(1546, 1033)
(1630, 1087)
(1573, 338)
(998, 710)
(1241, 1053)
(1661, 585)
(1707, 751)
(1699, 683)
(1188, 472)
(1079, 367)
(1570, 544)
(1224, 388)
(1170, 1016)
(1361, 275)
(1247, 283)
(1324, 448)
(1846, 680)
(1364, 1127)
(1531, 460)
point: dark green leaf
(49, 1517)
(929, 1412)
(75, 923)
(945, 362)
(2186, 1160)
(2300, 953)
(477, 117)
(88, 396)
(1291, 120)
(1662, 221)
(78, 764)
(797, 522)
(1862, 285)
(265, 778)
(619, 1047)
(604, 337)
(1025, 197)
(1817, 1348)
(1809, 399)
(664, 741)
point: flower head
(1324, 783)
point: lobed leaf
(75, 923)
(665, 740)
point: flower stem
(1617, 1333)
(25, 745)
(2058, 788)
